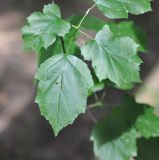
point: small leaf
(122, 148)
(113, 58)
(63, 87)
(120, 9)
(42, 28)
(148, 124)
(115, 136)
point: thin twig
(77, 29)
(86, 34)
(63, 44)
(97, 104)
(79, 25)
(92, 116)
(103, 96)
(96, 97)
(87, 12)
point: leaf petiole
(97, 104)
(79, 25)
(83, 32)
(63, 44)
(87, 12)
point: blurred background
(24, 134)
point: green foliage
(65, 80)
(110, 56)
(148, 124)
(63, 89)
(42, 28)
(122, 148)
(120, 9)
(115, 136)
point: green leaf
(129, 29)
(63, 87)
(148, 124)
(42, 28)
(113, 58)
(122, 148)
(115, 136)
(121, 8)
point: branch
(92, 116)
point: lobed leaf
(64, 81)
(121, 8)
(122, 148)
(42, 28)
(113, 57)
(116, 135)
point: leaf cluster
(65, 78)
